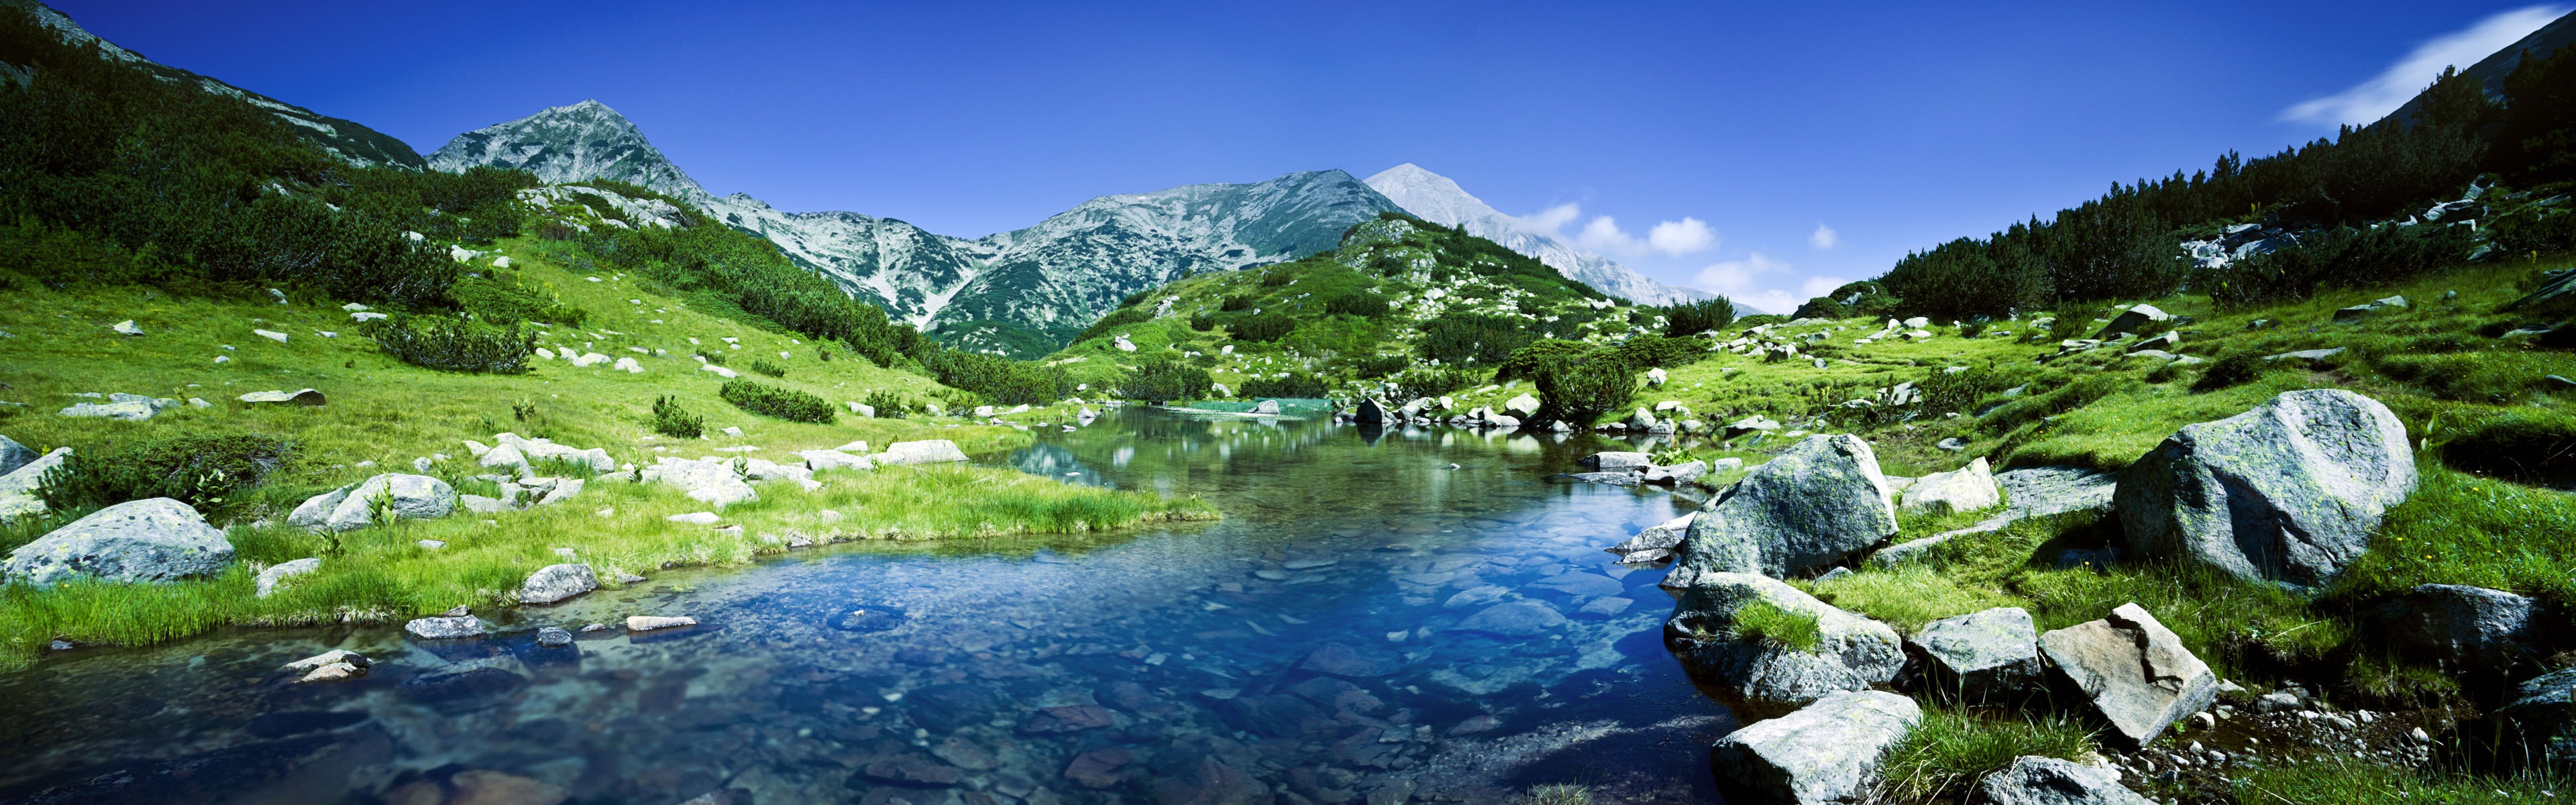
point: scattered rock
(2034, 780)
(1965, 489)
(1615, 461)
(551, 637)
(14, 455)
(1342, 659)
(820, 460)
(1980, 656)
(271, 335)
(126, 327)
(1655, 543)
(2131, 320)
(1826, 753)
(2307, 355)
(2363, 311)
(18, 488)
(929, 451)
(1523, 406)
(152, 540)
(647, 623)
(2289, 491)
(554, 583)
(1850, 653)
(1810, 507)
(453, 626)
(1513, 619)
(695, 518)
(2462, 629)
(1265, 408)
(2135, 673)
(304, 397)
(415, 497)
(268, 579)
(2544, 712)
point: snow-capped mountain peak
(1435, 198)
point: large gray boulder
(411, 497)
(18, 488)
(927, 451)
(1706, 632)
(13, 455)
(1614, 461)
(2034, 780)
(1966, 489)
(158, 539)
(2034, 491)
(305, 397)
(1982, 655)
(267, 582)
(1810, 507)
(554, 583)
(519, 454)
(2133, 672)
(2462, 629)
(1827, 753)
(2289, 491)
(1371, 411)
(2544, 712)
(820, 460)
(712, 482)
(2131, 320)
(1656, 543)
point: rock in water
(1342, 659)
(2134, 671)
(13, 455)
(928, 451)
(280, 572)
(1827, 753)
(2462, 629)
(448, 627)
(158, 539)
(1850, 653)
(1656, 543)
(1812, 506)
(554, 583)
(2289, 491)
(1513, 619)
(1615, 461)
(18, 488)
(2034, 780)
(1965, 489)
(1371, 412)
(1266, 407)
(1981, 656)
(551, 637)
(647, 623)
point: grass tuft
(1768, 622)
(1954, 748)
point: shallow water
(1480, 643)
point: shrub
(1377, 366)
(999, 380)
(1767, 622)
(1277, 279)
(669, 419)
(1296, 384)
(767, 400)
(1431, 381)
(887, 404)
(1261, 327)
(767, 367)
(1692, 318)
(1649, 351)
(2345, 257)
(716, 357)
(1116, 319)
(1524, 363)
(1473, 338)
(456, 345)
(1235, 302)
(1202, 322)
(1578, 392)
(1358, 303)
(202, 471)
(1162, 380)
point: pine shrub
(203, 471)
(1160, 381)
(669, 419)
(455, 344)
(767, 367)
(768, 400)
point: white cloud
(1824, 238)
(1602, 234)
(2374, 99)
(1762, 282)
(1552, 220)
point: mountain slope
(1018, 292)
(1435, 198)
(353, 143)
(2490, 71)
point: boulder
(1826, 753)
(2035, 780)
(1513, 619)
(1266, 408)
(528, 451)
(2363, 311)
(127, 410)
(2132, 671)
(1674, 475)
(1522, 406)
(154, 540)
(820, 460)
(305, 397)
(14, 455)
(1850, 653)
(416, 497)
(928, 451)
(552, 637)
(1980, 656)
(2289, 491)
(2306, 355)
(126, 327)
(2543, 711)
(1655, 543)
(2129, 321)
(1966, 489)
(1615, 461)
(647, 623)
(724, 493)
(18, 488)
(1752, 424)
(2462, 629)
(1371, 411)
(554, 583)
(1815, 505)
(268, 580)
(445, 627)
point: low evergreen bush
(768, 400)
(766, 367)
(669, 419)
(455, 344)
(1163, 380)
(202, 471)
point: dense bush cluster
(1431, 382)
(1162, 380)
(2340, 257)
(1296, 384)
(499, 298)
(669, 419)
(1261, 327)
(1358, 303)
(999, 380)
(1472, 338)
(454, 344)
(203, 471)
(1692, 318)
(1579, 391)
(765, 366)
(768, 400)
(1109, 324)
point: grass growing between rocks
(1943, 759)
(382, 575)
(1765, 621)
(2337, 782)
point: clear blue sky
(1897, 125)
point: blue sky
(1722, 141)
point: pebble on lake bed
(647, 623)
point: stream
(1367, 624)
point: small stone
(432, 544)
(551, 637)
(647, 623)
(127, 327)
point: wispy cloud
(1602, 233)
(1763, 283)
(1824, 237)
(2375, 98)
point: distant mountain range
(1433, 197)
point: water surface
(1367, 624)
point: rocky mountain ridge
(1438, 199)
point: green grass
(2341, 782)
(2462, 529)
(1909, 596)
(1558, 794)
(1768, 622)
(1955, 748)
(381, 574)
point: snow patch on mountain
(1435, 198)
